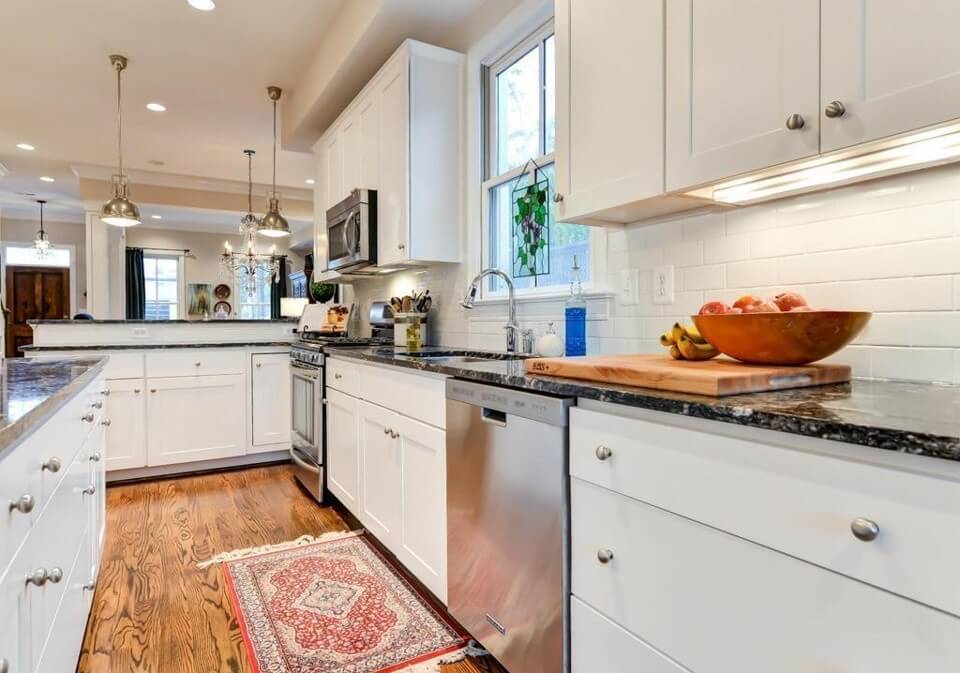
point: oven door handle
(306, 372)
(301, 462)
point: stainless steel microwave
(352, 232)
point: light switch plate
(663, 289)
(629, 287)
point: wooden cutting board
(717, 377)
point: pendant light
(41, 244)
(120, 211)
(273, 223)
(249, 222)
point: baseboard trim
(198, 467)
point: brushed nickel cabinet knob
(55, 575)
(97, 405)
(4, 665)
(605, 556)
(795, 122)
(89, 490)
(89, 586)
(865, 529)
(38, 577)
(24, 504)
(557, 197)
(136, 391)
(52, 465)
(603, 452)
(105, 392)
(106, 421)
(95, 457)
(87, 418)
(835, 109)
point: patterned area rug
(335, 606)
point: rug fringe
(472, 649)
(267, 548)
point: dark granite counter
(32, 390)
(231, 321)
(148, 346)
(915, 418)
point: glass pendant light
(249, 222)
(41, 244)
(120, 211)
(273, 224)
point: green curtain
(278, 289)
(136, 288)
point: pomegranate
(714, 308)
(762, 306)
(787, 301)
(747, 300)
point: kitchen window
(163, 278)
(255, 305)
(520, 124)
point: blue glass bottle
(575, 315)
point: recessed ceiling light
(202, 5)
(310, 181)
(157, 217)
(26, 146)
(46, 178)
(156, 107)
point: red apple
(747, 300)
(714, 308)
(787, 301)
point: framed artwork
(199, 299)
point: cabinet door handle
(835, 109)
(136, 391)
(87, 418)
(394, 435)
(259, 365)
(197, 363)
(865, 529)
(338, 376)
(97, 405)
(106, 422)
(24, 504)
(55, 575)
(605, 556)
(89, 586)
(38, 577)
(89, 490)
(387, 431)
(4, 665)
(557, 197)
(53, 465)
(401, 246)
(795, 122)
(105, 392)
(153, 390)
(603, 452)
(95, 457)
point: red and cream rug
(334, 606)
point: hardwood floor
(154, 611)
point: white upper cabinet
(402, 136)
(894, 66)
(609, 143)
(742, 90)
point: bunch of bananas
(686, 343)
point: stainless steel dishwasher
(508, 513)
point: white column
(105, 247)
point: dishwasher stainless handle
(302, 463)
(493, 417)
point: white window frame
(592, 283)
(181, 280)
(242, 294)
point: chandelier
(258, 267)
(41, 244)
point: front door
(34, 293)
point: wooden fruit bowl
(781, 338)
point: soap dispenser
(575, 315)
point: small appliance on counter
(381, 320)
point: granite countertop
(32, 390)
(915, 418)
(231, 321)
(149, 346)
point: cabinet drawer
(194, 362)
(65, 625)
(419, 396)
(720, 604)
(342, 375)
(19, 483)
(799, 503)
(594, 638)
(123, 365)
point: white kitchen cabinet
(893, 65)
(343, 449)
(93, 455)
(126, 441)
(609, 142)
(423, 502)
(15, 622)
(380, 473)
(402, 137)
(195, 418)
(270, 402)
(742, 87)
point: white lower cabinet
(127, 437)
(389, 470)
(270, 401)
(195, 418)
(599, 639)
(343, 448)
(43, 619)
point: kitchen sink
(457, 356)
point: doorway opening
(37, 288)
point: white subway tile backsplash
(956, 292)
(709, 277)
(728, 249)
(753, 273)
(913, 364)
(688, 253)
(698, 228)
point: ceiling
(210, 69)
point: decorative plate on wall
(222, 291)
(224, 306)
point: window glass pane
(151, 291)
(25, 255)
(167, 290)
(149, 267)
(566, 240)
(550, 94)
(518, 112)
(167, 268)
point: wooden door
(34, 293)
(894, 66)
(610, 153)
(343, 449)
(736, 72)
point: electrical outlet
(629, 287)
(663, 292)
(140, 332)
